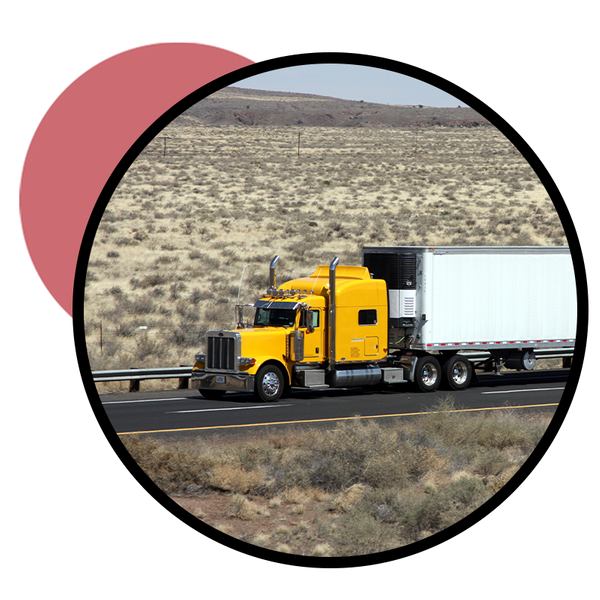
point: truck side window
(367, 317)
(309, 319)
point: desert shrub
(462, 433)
(188, 311)
(110, 348)
(253, 455)
(151, 280)
(490, 462)
(165, 259)
(467, 491)
(125, 329)
(422, 513)
(142, 305)
(176, 289)
(425, 514)
(360, 533)
(221, 314)
(322, 550)
(488, 447)
(147, 347)
(242, 508)
(358, 451)
(494, 433)
(171, 468)
(184, 333)
(124, 241)
(383, 504)
(230, 478)
(341, 458)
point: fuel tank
(347, 377)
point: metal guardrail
(134, 376)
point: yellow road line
(458, 410)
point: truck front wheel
(428, 374)
(269, 383)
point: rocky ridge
(238, 106)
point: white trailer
(446, 300)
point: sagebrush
(358, 488)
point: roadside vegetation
(361, 487)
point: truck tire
(457, 372)
(269, 383)
(428, 374)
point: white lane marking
(146, 400)
(529, 390)
(176, 412)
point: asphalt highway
(185, 411)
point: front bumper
(229, 382)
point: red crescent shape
(85, 130)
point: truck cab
(301, 335)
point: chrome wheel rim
(430, 374)
(270, 384)
(459, 373)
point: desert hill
(238, 106)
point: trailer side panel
(478, 297)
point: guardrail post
(134, 385)
(184, 382)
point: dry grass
(182, 231)
(358, 488)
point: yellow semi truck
(407, 315)
(302, 335)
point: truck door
(371, 345)
(313, 335)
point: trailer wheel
(457, 372)
(269, 383)
(428, 374)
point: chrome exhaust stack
(332, 314)
(272, 275)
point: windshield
(274, 317)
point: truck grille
(222, 352)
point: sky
(351, 82)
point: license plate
(220, 379)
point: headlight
(245, 362)
(201, 357)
